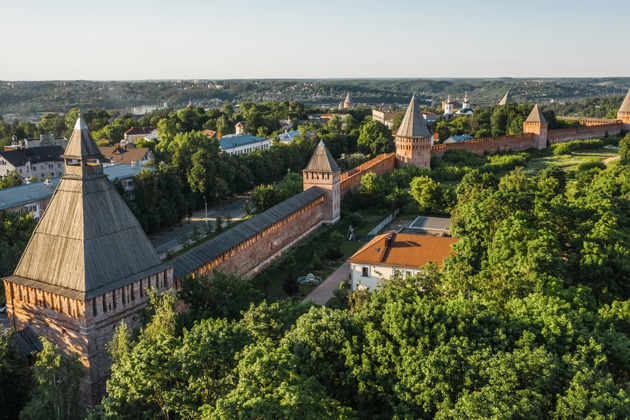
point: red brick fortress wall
(380, 165)
(249, 257)
(584, 132)
(517, 143)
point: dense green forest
(28, 98)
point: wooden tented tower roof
(413, 123)
(322, 160)
(87, 242)
(507, 99)
(625, 105)
(536, 116)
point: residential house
(393, 252)
(39, 162)
(130, 155)
(384, 117)
(140, 133)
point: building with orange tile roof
(386, 254)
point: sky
(260, 39)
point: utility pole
(205, 202)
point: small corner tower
(322, 171)
(413, 139)
(624, 112)
(507, 99)
(86, 266)
(537, 125)
(347, 104)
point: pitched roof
(209, 133)
(348, 99)
(87, 242)
(81, 144)
(19, 157)
(231, 141)
(322, 160)
(536, 116)
(404, 250)
(135, 131)
(507, 99)
(124, 155)
(413, 123)
(196, 257)
(625, 105)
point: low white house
(386, 254)
(238, 144)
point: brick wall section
(255, 253)
(84, 326)
(584, 132)
(517, 143)
(380, 165)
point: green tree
(15, 388)
(57, 377)
(624, 147)
(375, 138)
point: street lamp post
(205, 202)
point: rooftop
(124, 155)
(19, 157)
(431, 223)
(404, 250)
(536, 116)
(413, 123)
(29, 193)
(625, 105)
(322, 160)
(507, 99)
(231, 141)
(136, 131)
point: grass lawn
(302, 259)
(570, 162)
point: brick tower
(322, 171)
(413, 139)
(86, 266)
(624, 112)
(536, 125)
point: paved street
(324, 291)
(167, 241)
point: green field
(570, 162)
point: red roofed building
(139, 133)
(209, 133)
(385, 254)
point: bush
(590, 164)
(576, 145)
(356, 220)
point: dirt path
(610, 159)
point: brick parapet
(380, 165)
(517, 142)
(584, 132)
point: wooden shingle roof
(536, 116)
(413, 123)
(87, 242)
(625, 105)
(322, 160)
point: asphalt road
(168, 240)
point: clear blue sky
(208, 39)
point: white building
(392, 252)
(238, 144)
(38, 162)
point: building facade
(38, 162)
